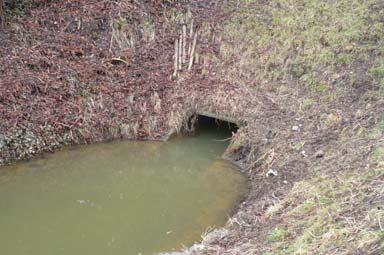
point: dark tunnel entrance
(201, 123)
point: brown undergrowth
(84, 71)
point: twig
(379, 220)
(222, 140)
(111, 41)
(80, 22)
(119, 60)
(257, 161)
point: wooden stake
(197, 57)
(184, 57)
(176, 57)
(180, 51)
(190, 38)
(192, 52)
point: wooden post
(180, 51)
(192, 52)
(197, 57)
(176, 58)
(184, 57)
(190, 38)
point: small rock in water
(271, 173)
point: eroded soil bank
(305, 78)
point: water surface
(118, 198)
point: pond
(126, 197)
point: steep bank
(305, 76)
(317, 69)
(80, 71)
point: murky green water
(117, 198)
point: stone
(271, 173)
(319, 154)
(359, 114)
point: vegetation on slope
(333, 213)
(313, 43)
(14, 8)
(61, 83)
(323, 63)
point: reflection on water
(118, 198)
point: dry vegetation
(84, 71)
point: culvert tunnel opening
(202, 123)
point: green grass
(339, 213)
(323, 222)
(377, 132)
(278, 234)
(306, 41)
(317, 52)
(376, 73)
(17, 8)
(319, 48)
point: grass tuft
(278, 234)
